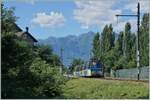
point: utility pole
(137, 37)
(61, 57)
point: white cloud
(144, 5)
(54, 19)
(132, 6)
(121, 25)
(102, 12)
(97, 13)
(32, 2)
(84, 27)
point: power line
(137, 38)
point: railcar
(93, 70)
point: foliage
(26, 75)
(119, 43)
(109, 59)
(96, 47)
(15, 65)
(7, 19)
(127, 41)
(46, 53)
(121, 53)
(27, 71)
(20, 52)
(76, 65)
(107, 44)
(121, 63)
(47, 78)
(144, 40)
(107, 38)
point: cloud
(97, 13)
(32, 2)
(54, 19)
(84, 27)
(132, 5)
(121, 25)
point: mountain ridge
(73, 46)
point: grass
(104, 89)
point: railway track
(123, 79)
(119, 79)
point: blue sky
(61, 18)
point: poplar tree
(108, 37)
(96, 47)
(144, 40)
(111, 36)
(122, 53)
(107, 45)
(127, 41)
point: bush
(48, 79)
(16, 58)
(26, 70)
(25, 74)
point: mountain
(73, 46)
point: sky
(60, 18)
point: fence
(131, 73)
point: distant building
(26, 35)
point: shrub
(47, 78)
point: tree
(144, 40)
(120, 64)
(15, 64)
(107, 38)
(24, 73)
(8, 19)
(104, 39)
(119, 43)
(112, 36)
(47, 79)
(55, 60)
(26, 70)
(127, 41)
(109, 59)
(46, 53)
(132, 62)
(96, 47)
(122, 52)
(107, 45)
(76, 65)
(129, 46)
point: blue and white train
(94, 69)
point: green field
(104, 89)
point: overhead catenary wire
(137, 36)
